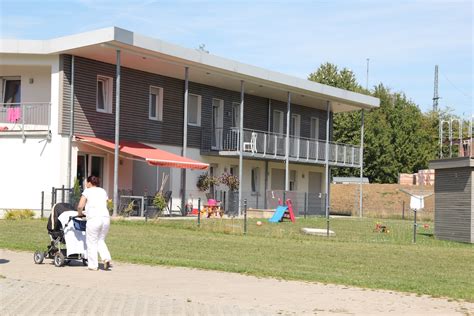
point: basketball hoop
(417, 203)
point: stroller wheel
(84, 262)
(38, 257)
(59, 259)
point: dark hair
(94, 180)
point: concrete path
(29, 289)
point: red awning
(153, 156)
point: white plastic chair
(252, 145)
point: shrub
(110, 206)
(19, 214)
(159, 201)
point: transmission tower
(435, 94)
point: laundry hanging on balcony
(153, 156)
(13, 114)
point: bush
(159, 201)
(19, 214)
(110, 206)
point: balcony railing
(25, 117)
(273, 146)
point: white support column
(117, 135)
(361, 162)
(71, 128)
(287, 144)
(185, 136)
(328, 109)
(241, 142)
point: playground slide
(279, 213)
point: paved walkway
(29, 289)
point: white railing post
(298, 148)
(353, 153)
(337, 149)
(276, 146)
(23, 114)
(345, 152)
(317, 151)
(307, 149)
(264, 144)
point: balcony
(31, 118)
(268, 145)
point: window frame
(255, 179)
(199, 106)
(297, 132)
(293, 180)
(281, 122)
(108, 85)
(158, 105)
(312, 128)
(4, 80)
(234, 106)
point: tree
(398, 136)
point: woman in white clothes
(94, 199)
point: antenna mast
(435, 94)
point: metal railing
(27, 116)
(273, 146)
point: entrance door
(314, 182)
(278, 179)
(217, 123)
(315, 197)
(90, 165)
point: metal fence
(273, 145)
(27, 116)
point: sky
(403, 40)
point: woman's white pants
(96, 231)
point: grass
(356, 256)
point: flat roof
(448, 163)
(154, 55)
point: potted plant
(232, 183)
(205, 181)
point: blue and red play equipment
(282, 212)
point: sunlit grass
(356, 256)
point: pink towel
(13, 114)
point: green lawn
(356, 256)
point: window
(314, 128)
(255, 179)
(292, 180)
(295, 125)
(155, 106)
(235, 114)
(194, 110)
(104, 94)
(11, 90)
(234, 170)
(278, 122)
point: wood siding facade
(454, 204)
(134, 122)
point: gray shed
(454, 199)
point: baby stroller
(65, 228)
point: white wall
(35, 164)
(39, 90)
(27, 168)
